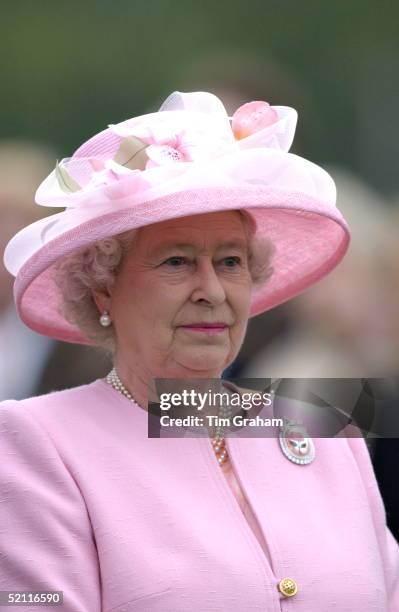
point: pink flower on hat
(118, 181)
(177, 148)
(169, 143)
(107, 172)
(252, 117)
(186, 146)
(165, 145)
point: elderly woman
(178, 226)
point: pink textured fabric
(246, 509)
(119, 522)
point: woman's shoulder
(69, 418)
(81, 398)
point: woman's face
(181, 301)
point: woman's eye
(232, 262)
(175, 261)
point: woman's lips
(206, 328)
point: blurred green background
(69, 69)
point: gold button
(287, 587)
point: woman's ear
(102, 300)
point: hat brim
(310, 238)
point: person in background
(385, 451)
(343, 327)
(47, 364)
(23, 165)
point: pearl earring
(105, 319)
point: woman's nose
(208, 286)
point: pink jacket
(90, 506)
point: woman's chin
(210, 362)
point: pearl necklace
(218, 442)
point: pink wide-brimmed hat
(188, 158)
